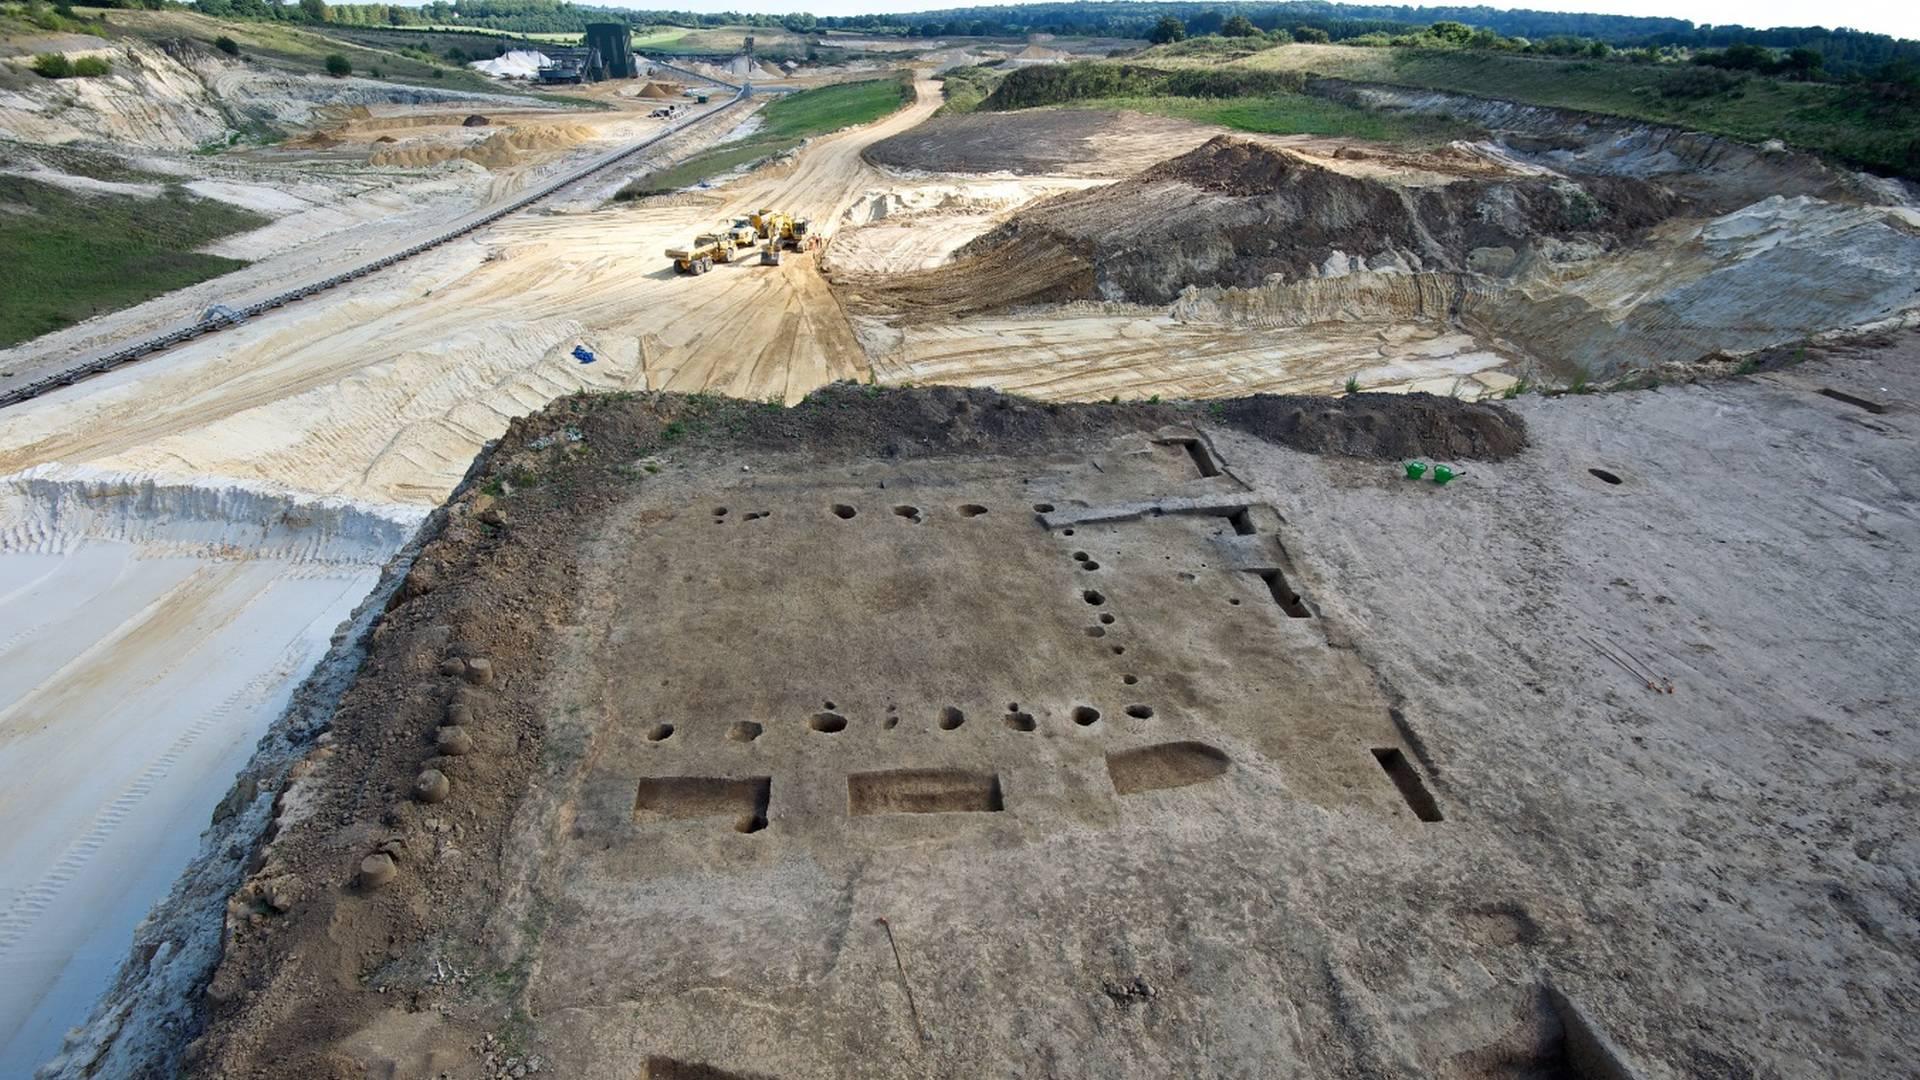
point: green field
(660, 37)
(783, 124)
(966, 87)
(1827, 117)
(537, 35)
(768, 42)
(72, 256)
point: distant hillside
(1844, 51)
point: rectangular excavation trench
(1407, 779)
(1202, 460)
(1873, 407)
(923, 791)
(666, 798)
(1284, 595)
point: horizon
(1863, 15)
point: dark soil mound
(476, 120)
(1042, 141)
(1236, 213)
(1385, 426)
(846, 420)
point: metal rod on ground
(902, 968)
(1666, 683)
(1622, 664)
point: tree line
(1787, 50)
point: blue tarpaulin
(581, 354)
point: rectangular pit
(1407, 779)
(667, 798)
(923, 791)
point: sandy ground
(1068, 356)
(334, 212)
(1073, 786)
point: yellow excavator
(780, 231)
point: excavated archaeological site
(1001, 639)
(940, 733)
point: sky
(1898, 17)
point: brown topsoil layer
(496, 583)
(1389, 426)
(1034, 142)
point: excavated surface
(1362, 797)
(1428, 269)
(249, 485)
(984, 632)
(1040, 142)
(1235, 212)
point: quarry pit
(1079, 716)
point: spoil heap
(1238, 213)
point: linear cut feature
(1283, 594)
(664, 798)
(923, 791)
(1407, 779)
(1857, 402)
(1202, 460)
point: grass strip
(69, 256)
(784, 124)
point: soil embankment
(1567, 276)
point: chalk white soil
(132, 686)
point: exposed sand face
(1256, 264)
(148, 636)
(1061, 355)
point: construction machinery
(706, 249)
(780, 231)
(744, 232)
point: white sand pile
(518, 64)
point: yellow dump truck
(744, 232)
(699, 256)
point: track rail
(142, 349)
